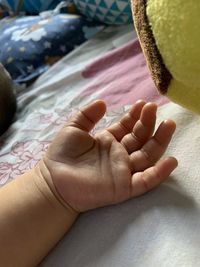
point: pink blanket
(122, 77)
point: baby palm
(114, 165)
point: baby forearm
(32, 221)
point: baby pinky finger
(143, 182)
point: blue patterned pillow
(29, 45)
(106, 11)
(30, 6)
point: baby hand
(116, 164)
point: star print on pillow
(30, 45)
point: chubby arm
(80, 172)
(32, 221)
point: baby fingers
(154, 148)
(127, 122)
(142, 130)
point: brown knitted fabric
(159, 72)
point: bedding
(159, 229)
(114, 12)
(30, 6)
(31, 44)
(106, 11)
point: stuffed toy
(169, 33)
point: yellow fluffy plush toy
(169, 33)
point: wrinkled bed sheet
(161, 228)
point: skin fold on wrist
(43, 172)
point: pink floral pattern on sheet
(26, 154)
(7, 171)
